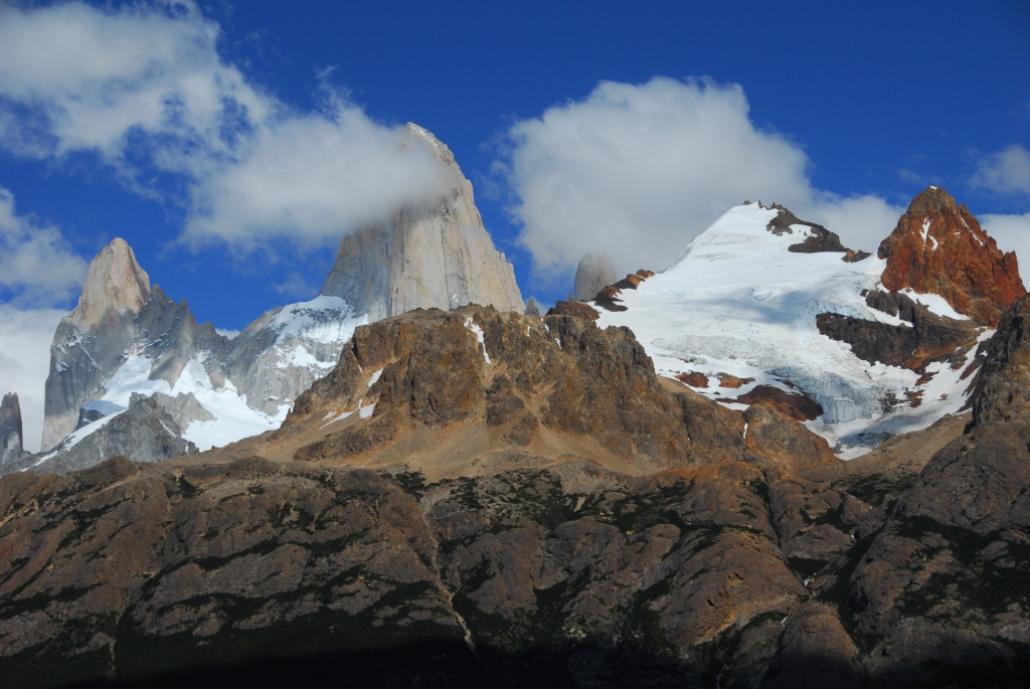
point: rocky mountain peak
(413, 390)
(938, 247)
(426, 137)
(433, 255)
(10, 428)
(115, 283)
(933, 200)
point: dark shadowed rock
(1003, 393)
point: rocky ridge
(711, 556)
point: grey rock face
(11, 447)
(83, 359)
(594, 272)
(435, 256)
(150, 430)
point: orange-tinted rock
(608, 297)
(938, 247)
(573, 308)
(729, 381)
(694, 379)
(796, 405)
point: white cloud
(1013, 234)
(311, 177)
(95, 77)
(1005, 172)
(640, 169)
(37, 265)
(25, 362)
(38, 270)
(144, 86)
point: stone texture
(1004, 387)
(149, 430)
(759, 568)
(561, 372)
(938, 247)
(929, 338)
(11, 445)
(114, 285)
(438, 255)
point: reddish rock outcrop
(608, 297)
(938, 247)
(694, 379)
(796, 405)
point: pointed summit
(938, 247)
(115, 283)
(11, 446)
(435, 255)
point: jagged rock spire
(938, 247)
(11, 446)
(434, 255)
(115, 283)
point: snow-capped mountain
(763, 306)
(127, 341)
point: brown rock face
(795, 405)
(539, 384)
(938, 247)
(694, 379)
(730, 569)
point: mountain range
(778, 462)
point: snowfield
(738, 302)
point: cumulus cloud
(144, 87)
(24, 362)
(37, 265)
(640, 169)
(95, 77)
(1013, 234)
(310, 177)
(1005, 172)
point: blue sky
(874, 100)
(881, 98)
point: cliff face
(938, 247)
(435, 256)
(11, 445)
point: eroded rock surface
(938, 247)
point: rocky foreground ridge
(473, 498)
